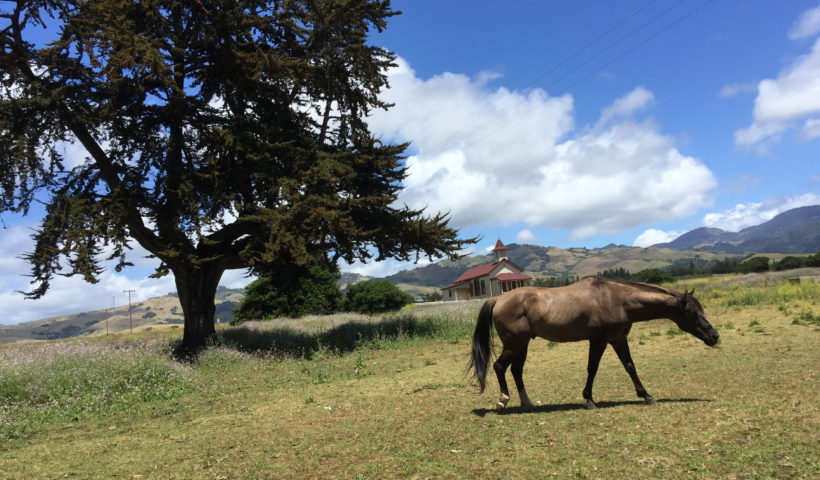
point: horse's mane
(640, 286)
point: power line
(615, 59)
(638, 45)
(480, 118)
(442, 146)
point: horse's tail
(482, 346)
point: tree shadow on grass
(566, 407)
(340, 339)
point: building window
(483, 287)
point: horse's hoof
(648, 400)
(590, 405)
(502, 401)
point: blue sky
(569, 123)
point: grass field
(357, 397)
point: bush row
(316, 295)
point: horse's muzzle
(712, 338)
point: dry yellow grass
(746, 409)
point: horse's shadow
(566, 407)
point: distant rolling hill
(159, 312)
(540, 261)
(793, 231)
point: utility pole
(129, 292)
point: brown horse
(595, 309)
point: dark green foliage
(375, 296)
(756, 264)
(653, 275)
(561, 281)
(619, 273)
(650, 275)
(220, 134)
(149, 315)
(291, 292)
(726, 265)
(790, 262)
(433, 296)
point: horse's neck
(647, 305)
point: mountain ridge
(793, 231)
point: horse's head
(692, 319)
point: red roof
(499, 246)
(486, 269)
(508, 277)
(478, 271)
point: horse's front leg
(596, 350)
(622, 349)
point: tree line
(697, 267)
(692, 268)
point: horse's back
(559, 314)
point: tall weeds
(67, 380)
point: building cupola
(500, 251)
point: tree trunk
(196, 288)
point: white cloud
(653, 237)
(526, 236)
(636, 100)
(783, 102)
(383, 268)
(807, 26)
(811, 129)
(500, 157)
(749, 214)
(72, 295)
(735, 89)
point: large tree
(220, 134)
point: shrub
(294, 292)
(433, 296)
(653, 275)
(375, 296)
(753, 265)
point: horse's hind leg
(517, 372)
(622, 349)
(500, 367)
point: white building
(489, 279)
